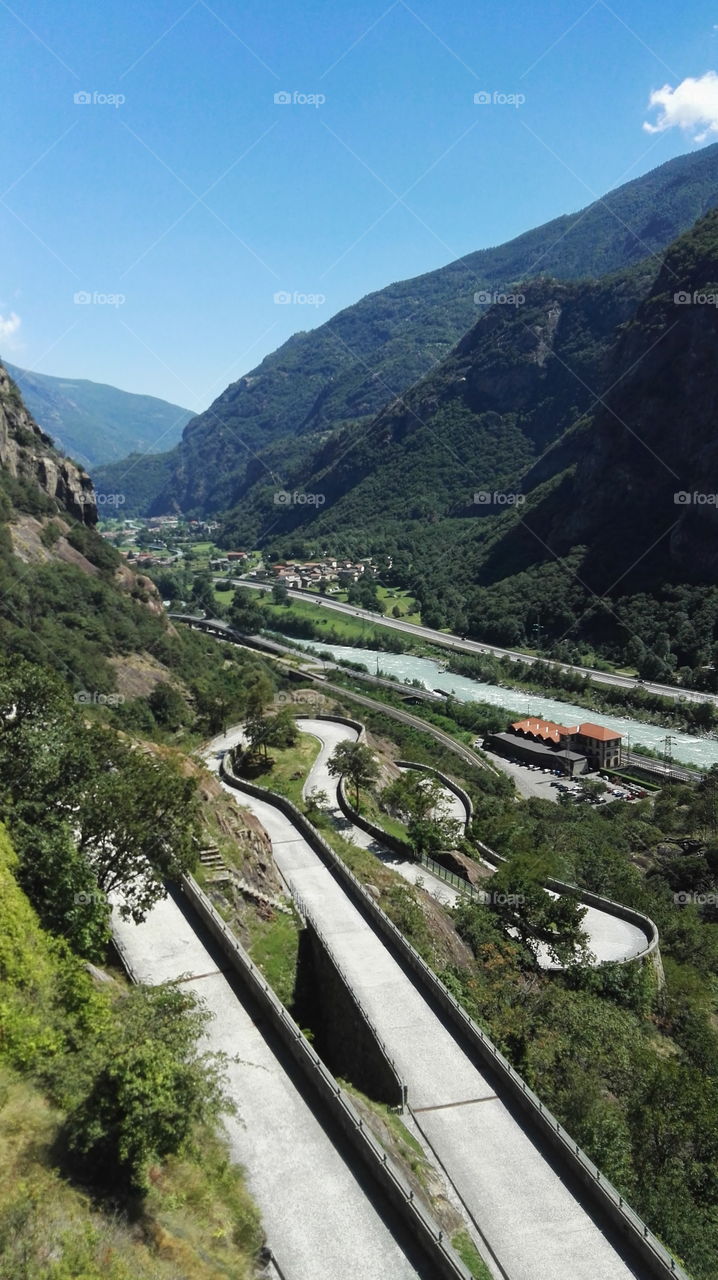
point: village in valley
(172, 542)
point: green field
(337, 628)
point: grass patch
(470, 1255)
(197, 1222)
(335, 627)
(289, 767)
(274, 947)
(369, 808)
(399, 604)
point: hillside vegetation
(90, 1071)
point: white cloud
(693, 104)
(9, 325)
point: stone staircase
(219, 873)
(211, 858)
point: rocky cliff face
(646, 481)
(27, 453)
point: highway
(475, 646)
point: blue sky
(198, 197)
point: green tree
(422, 804)
(168, 706)
(517, 896)
(355, 762)
(137, 822)
(245, 613)
(62, 887)
(149, 1094)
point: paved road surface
(531, 1218)
(609, 938)
(318, 1219)
(330, 734)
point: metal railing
(457, 882)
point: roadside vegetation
(110, 1168)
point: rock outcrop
(27, 453)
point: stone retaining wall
(422, 1227)
(394, 843)
(343, 1033)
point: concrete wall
(343, 1034)
(352, 724)
(449, 783)
(400, 847)
(652, 952)
(430, 1238)
(545, 1125)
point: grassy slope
(197, 1223)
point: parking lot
(533, 781)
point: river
(690, 749)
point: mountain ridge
(345, 371)
(95, 422)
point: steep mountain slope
(95, 423)
(69, 602)
(520, 378)
(349, 368)
(31, 463)
(617, 543)
(643, 489)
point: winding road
(609, 938)
(534, 1222)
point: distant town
(168, 541)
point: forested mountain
(69, 602)
(513, 385)
(595, 404)
(95, 423)
(628, 496)
(345, 371)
